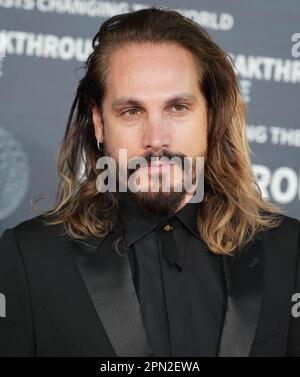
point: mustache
(148, 156)
(182, 160)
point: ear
(97, 121)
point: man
(145, 272)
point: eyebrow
(131, 101)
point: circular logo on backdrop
(14, 173)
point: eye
(181, 106)
(130, 110)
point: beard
(161, 204)
(158, 203)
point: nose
(156, 137)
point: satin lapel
(107, 277)
(243, 273)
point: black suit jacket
(67, 297)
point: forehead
(148, 69)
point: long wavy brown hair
(233, 210)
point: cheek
(198, 135)
(192, 140)
(116, 140)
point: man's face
(153, 104)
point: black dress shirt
(179, 283)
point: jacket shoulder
(284, 239)
(36, 229)
(289, 224)
(287, 231)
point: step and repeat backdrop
(45, 42)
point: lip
(160, 164)
(157, 166)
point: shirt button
(168, 228)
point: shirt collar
(139, 222)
